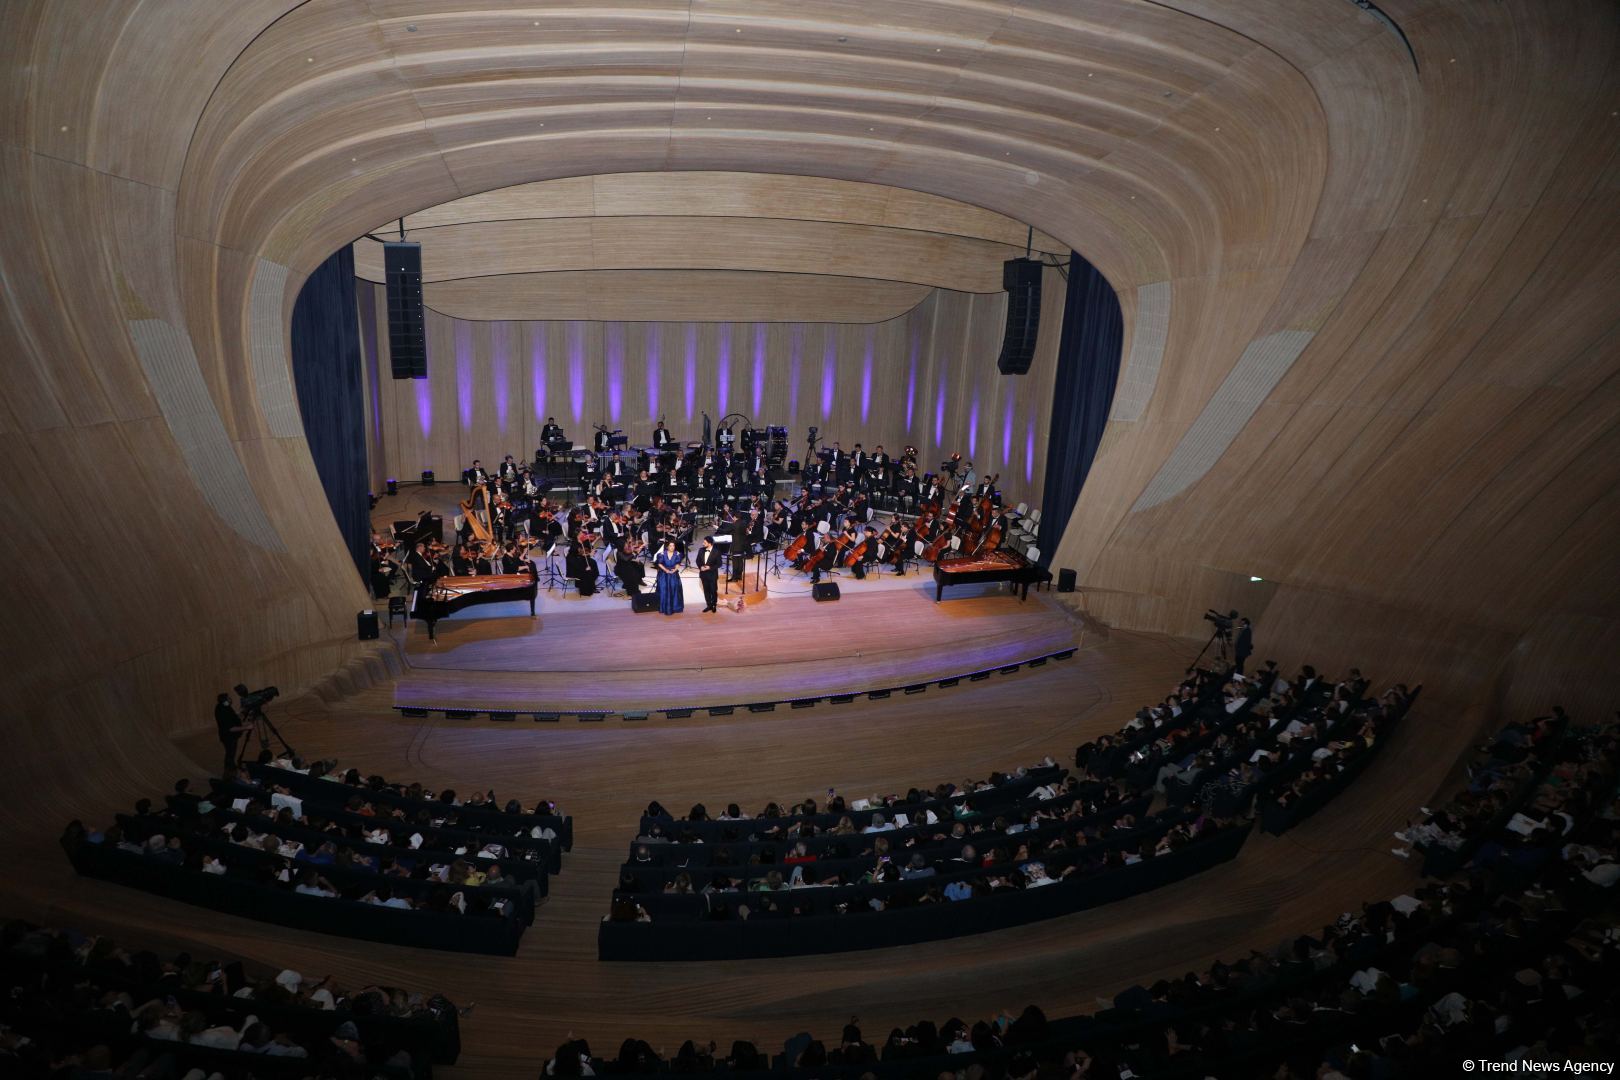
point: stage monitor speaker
(644, 602)
(824, 591)
(407, 330)
(1022, 280)
(1066, 580)
(368, 625)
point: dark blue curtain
(1087, 369)
(326, 372)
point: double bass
(941, 542)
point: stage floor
(594, 657)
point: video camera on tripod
(252, 703)
(1223, 623)
(1221, 638)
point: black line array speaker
(407, 330)
(824, 591)
(1022, 280)
(644, 602)
(367, 625)
(1066, 578)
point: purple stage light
(759, 367)
(866, 373)
(1029, 452)
(795, 358)
(576, 369)
(613, 346)
(829, 374)
(654, 344)
(939, 413)
(499, 356)
(722, 368)
(973, 425)
(424, 406)
(537, 369)
(691, 369)
(1007, 434)
(911, 377)
(464, 373)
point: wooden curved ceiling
(1382, 333)
(703, 246)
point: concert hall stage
(596, 656)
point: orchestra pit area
(927, 541)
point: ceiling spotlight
(410, 28)
(1256, 577)
(842, 39)
(309, 59)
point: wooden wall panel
(854, 382)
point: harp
(477, 510)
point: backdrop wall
(927, 378)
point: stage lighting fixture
(1010, 668)
(917, 688)
(877, 695)
(547, 717)
(427, 477)
(459, 714)
(677, 714)
(590, 717)
(1063, 655)
(1039, 661)
(804, 703)
(503, 717)
(978, 676)
(762, 706)
(639, 714)
(721, 710)
(1252, 577)
(840, 699)
(946, 684)
(393, 486)
(405, 711)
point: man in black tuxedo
(708, 564)
(582, 568)
(477, 474)
(1242, 645)
(661, 436)
(230, 728)
(550, 430)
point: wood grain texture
(1430, 489)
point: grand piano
(450, 594)
(998, 565)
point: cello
(856, 553)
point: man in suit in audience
(230, 729)
(708, 564)
(1242, 645)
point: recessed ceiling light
(309, 59)
(841, 38)
(1256, 577)
(410, 28)
(64, 127)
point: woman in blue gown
(670, 597)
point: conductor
(230, 727)
(708, 564)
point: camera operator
(230, 728)
(1243, 645)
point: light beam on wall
(829, 375)
(424, 406)
(1007, 433)
(613, 362)
(759, 369)
(500, 378)
(973, 426)
(464, 373)
(1029, 451)
(911, 377)
(795, 360)
(537, 371)
(939, 413)
(655, 340)
(576, 369)
(691, 369)
(866, 373)
(722, 369)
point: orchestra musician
(550, 430)
(627, 565)
(662, 439)
(582, 567)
